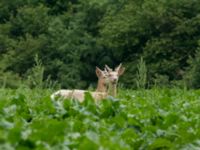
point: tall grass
(141, 76)
(36, 78)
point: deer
(113, 77)
(99, 94)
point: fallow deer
(99, 94)
(113, 76)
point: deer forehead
(113, 74)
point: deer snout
(114, 80)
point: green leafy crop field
(143, 119)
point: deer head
(102, 80)
(113, 76)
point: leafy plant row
(144, 119)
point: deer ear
(98, 72)
(121, 71)
(108, 68)
(118, 67)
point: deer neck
(101, 86)
(113, 89)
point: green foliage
(30, 20)
(164, 33)
(192, 76)
(72, 37)
(35, 76)
(20, 54)
(161, 80)
(141, 79)
(143, 119)
(9, 79)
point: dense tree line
(71, 37)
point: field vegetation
(47, 45)
(142, 119)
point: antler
(108, 68)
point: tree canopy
(71, 37)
